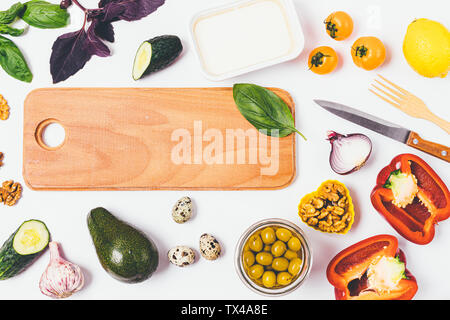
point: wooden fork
(407, 102)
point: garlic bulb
(62, 278)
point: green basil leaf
(44, 15)
(13, 62)
(266, 111)
(11, 14)
(5, 29)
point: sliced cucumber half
(31, 237)
(156, 54)
(142, 60)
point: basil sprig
(44, 15)
(8, 16)
(13, 62)
(6, 29)
(266, 111)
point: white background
(227, 214)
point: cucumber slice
(31, 237)
(156, 54)
(142, 60)
(22, 248)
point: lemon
(427, 48)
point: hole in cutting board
(50, 134)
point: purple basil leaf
(103, 29)
(129, 10)
(112, 11)
(94, 44)
(102, 3)
(69, 55)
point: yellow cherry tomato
(284, 278)
(269, 279)
(368, 53)
(268, 235)
(339, 25)
(323, 60)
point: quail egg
(182, 210)
(181, 256)
(209, 247)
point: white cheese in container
(246, 36)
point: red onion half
(348, 152)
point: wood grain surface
(123, 139)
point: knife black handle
(438, 150)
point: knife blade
(386, 128)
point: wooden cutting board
(150, 138)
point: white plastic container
(246, 36)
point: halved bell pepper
(372, 269)
(411, 197)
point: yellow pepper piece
(329, 209)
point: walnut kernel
(4, 108)
(10, 192)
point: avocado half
(156, 54)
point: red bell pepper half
(411, 197)
(372, 269)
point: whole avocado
(126, 253)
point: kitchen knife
(387, 129)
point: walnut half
(10, 193)
(1, 158)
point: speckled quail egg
(181, 256)
(182, 210)
(209, 247)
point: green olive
(264, 258)
(256, 271)
(283, 234)
(294, 244)
(289, 254)
(280, 264)
(267, 248)
(284, 278)
(249, 258)
(255, 243)
(269, 279)
(294, 266)
(268, 235)
(278, 248)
